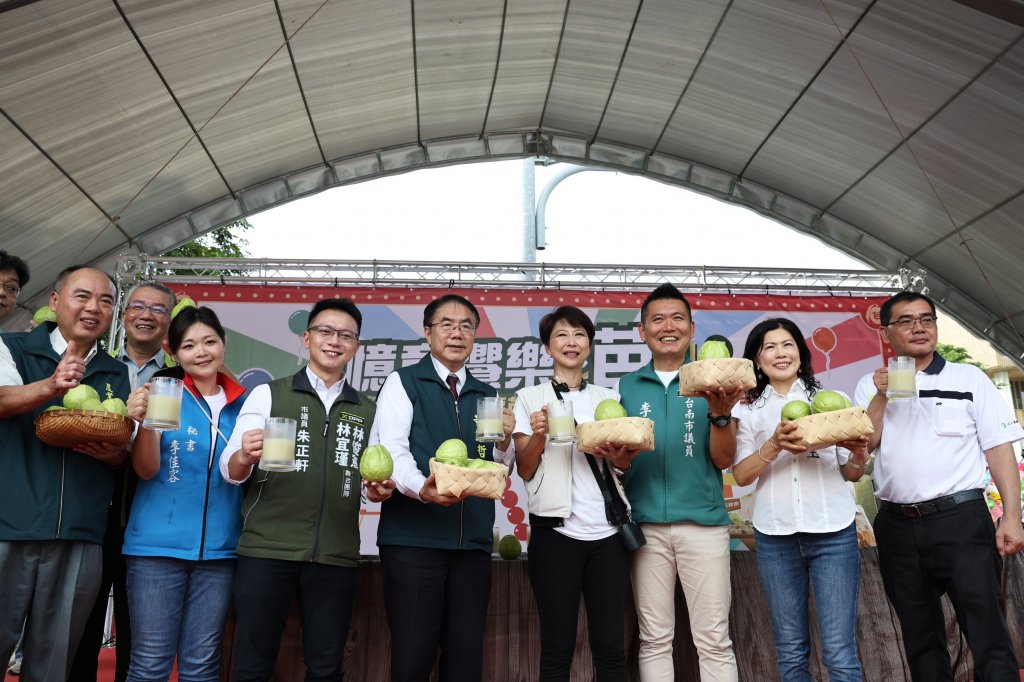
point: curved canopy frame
(890, 129)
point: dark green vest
(312, 513)
(52, 493)
(409, 522)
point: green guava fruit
(509, 548)
(828, 401)
(609, 409)
(375, 464)
(795, 409)
(75, 398)
(115, 405)
(183, 302)
(93, 404)
(481, 464)
(44, 314)
(713, 350)
(452, 452)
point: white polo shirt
(935, 445)
(796, 493)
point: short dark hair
(572, 316)
(62, 277)
(885, 314)
(189, 316)
(433, 306)
(20, 267)
(665, 291)
(344, 305)
(755, 339)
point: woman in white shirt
(803, 509)
(573, 549)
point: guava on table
(509, 548)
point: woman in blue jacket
(185, 520)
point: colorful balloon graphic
(297, 321)
(824, 339)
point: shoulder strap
(611, 512)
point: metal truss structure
(412, 274)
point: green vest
(312, 513)
(52, 493)
(677, 482)
(409, 522)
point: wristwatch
(720, 421)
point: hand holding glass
(278, 445)
(163, 407)
(489, 428)
(561, 424)
(902, 378)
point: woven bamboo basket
(71, 428)
(828, 428)
(461, 481)
(637, 432)
(709, 375)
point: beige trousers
(699, 555)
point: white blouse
(796, 493)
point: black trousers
(952, 552)
(436, 598)
(562, 569)
(264, 591)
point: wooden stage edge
(512, 640)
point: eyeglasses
(905, 323)
(137, 308)
(11, 290)
(447, 327)
(326, 332)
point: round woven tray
(636, 432)
(71, 428)
(709, 375)
(828, 428)
(460, 481)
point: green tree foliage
(956, 354)
(224, 242)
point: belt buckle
(911, 511)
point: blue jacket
(677, 481)
(51, 493)
(187, 511)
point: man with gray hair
(53, 513)
(147, 317)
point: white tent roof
(891, 129)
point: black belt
(919, 509)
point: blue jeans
(177, 607)
(829, 563)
